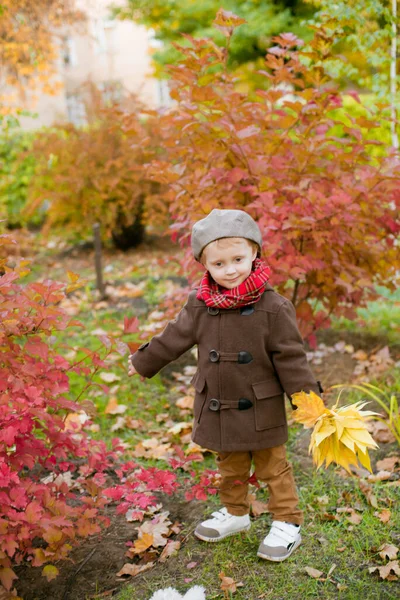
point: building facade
(113, 55)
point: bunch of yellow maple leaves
(340, 434)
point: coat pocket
(269, 405)
(199, 384)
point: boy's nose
(231, 269)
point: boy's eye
(238, 259)
(218, 264)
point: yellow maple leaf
(340, 434)
(310, 407)
(144, 542)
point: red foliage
(52, 476)
(327, 206)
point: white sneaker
(221, 526)
(282, 540)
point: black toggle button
(214, 404)
(244, 357)
(213, 310)
(244, 404)
(213, 356)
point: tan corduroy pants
(271, 466)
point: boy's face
(229, 261)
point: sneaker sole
(280, 558)
(204, 538)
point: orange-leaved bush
(95, 173)
(327, 208)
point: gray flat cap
(222, 224)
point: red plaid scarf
(248, 292)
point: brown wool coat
(272, 361)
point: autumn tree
(29, 46)
(327, 207)
(96, 173)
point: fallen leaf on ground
(384, 571)
(179, 427)
(388, 551)
(383, 515)
(257, 507)
(228, 585)
(388, 463)
(313, 572)
(75, 421)
(113, 408)
(368, 493)
(355, 518)
(333, 567)
(380, 432)
(185, 402)
(191, 565)
(158, 528)
(380, 476)
(50, 572)
(144, 542)
(133, 570)
(152, 448)
(109, 377)
(171, 548)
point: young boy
(250, 353)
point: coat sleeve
(177, 337)
(288, 354)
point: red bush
(52, 476)
(328, 209)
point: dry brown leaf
(388, 463)
(257, 507)
(384, 571)
(383, 515)
(109, 377)
(159, 528)
(333, 567)
(368, 493)
(179, 427)
(355, 518)
(75, 421)
(171, 548)
(113, 408)
(388, 551)
(191, 565)
(153, 448)
(133, 570)
(380, 432)
(228, 584)
(313, 572)
(185, 402)
(380, 476)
